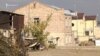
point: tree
(37, 30)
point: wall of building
(81, 26)
(69, 34)
(97, 32)
(56, 25)
(90, 26)
(78, 28)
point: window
(36, 20)
(57, 38)
(72, 24)
(87, 33)
(34, 5)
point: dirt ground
(68, 51)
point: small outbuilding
(11, 25)
(10, 20)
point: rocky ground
(68, 51)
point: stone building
(57, 24)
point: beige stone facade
(57, 25)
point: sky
(89, 7)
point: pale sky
(91, 7)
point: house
(57, 24)
(78, 25)
(83, 27)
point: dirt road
(68, 52)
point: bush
(7, 48)
(52, 46)
(86, 43)
(83, 43)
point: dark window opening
(36, 20)
(72, 24)
(10, 20)
(87, 33)
(76, 40)
(57, 38)
(90, 39)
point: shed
(10, 20)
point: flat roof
(92, 17)
(7, 12)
